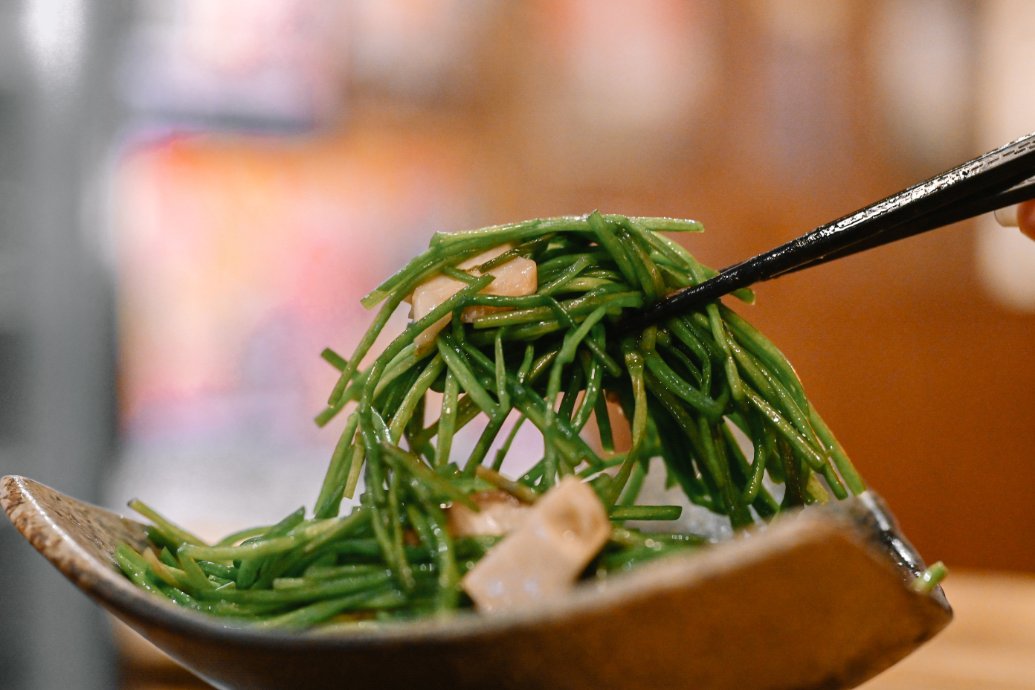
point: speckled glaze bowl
(820, 599)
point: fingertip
(1026, 218)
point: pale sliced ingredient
(498, 513)
(515, 278)
(544, 556)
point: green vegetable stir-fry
(517, 325)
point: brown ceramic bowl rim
(107, 586)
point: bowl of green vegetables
(419, 564)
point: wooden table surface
(990, 645)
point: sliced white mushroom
(515, 278)
(543, 557)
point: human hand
(1021, 216)
(1026, 218)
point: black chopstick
(990, 181)
(938, 219)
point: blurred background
(194, 195)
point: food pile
(511, 326)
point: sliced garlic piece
(498, 513)
(515, 278)
(544, 556)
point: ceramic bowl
(819, 599)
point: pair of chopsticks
(997, 179)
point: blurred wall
(58, 116)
